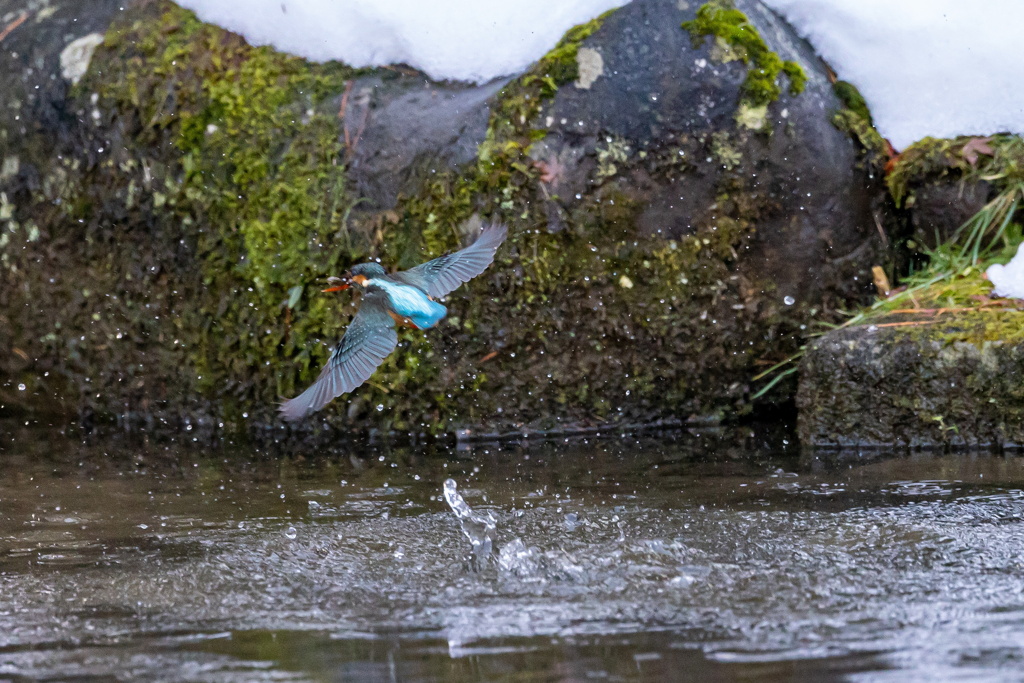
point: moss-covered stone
(737, 39)
(931, 378)
(206, 181)
(998, 159)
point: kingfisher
(407, 298)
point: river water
(703, 557)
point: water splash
(516, 559)
(479, 529)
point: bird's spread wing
(369, 339)
(443, 274)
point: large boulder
(668, 129)
(932, 379)
(680, 208)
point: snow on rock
(926, 67)
(1008, 280)
(447, 39)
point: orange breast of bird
(403, 321)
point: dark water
(702, 558)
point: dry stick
(13, 25)
(343, 108)
(995, 308)
(359, 133)
(881, 230)
(911, 323)
(351, 143)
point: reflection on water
(704, 557)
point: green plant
(951, 277)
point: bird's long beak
(339, 284)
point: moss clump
(737, 38)
(860, 128)
(522, 99)
(560, 65)
(257, 170)
(854, 119)
(998, 159)
(852, 99)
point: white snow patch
(447, 39)
(926, 67)
(1008, 280)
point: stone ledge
(923, 381)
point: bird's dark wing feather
(443, 274)
(369, 339)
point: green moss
(854, 119)
(935, 159)
(860, 128)
(852, 99)
(614, 325)
(731, 28)
(560, 66)
(262, 173)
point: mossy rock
(404, 129)
(176, 212)
(932, 379)
(669, 129)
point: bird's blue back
(410, 302)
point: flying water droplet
(478, 528)
(290, 533)
(788, 300)
(515, 558)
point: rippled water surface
(703, 557)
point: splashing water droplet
(479, 529)
(22, 387)
(516, 558)
(291, 533)
(788, 300)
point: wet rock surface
(403, 129)
(656, 101)
(175, 211)
(953, 381)
(941, 207)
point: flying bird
(402, 298)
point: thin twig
(908, 323)
(13, 25)
(342, 109)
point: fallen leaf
(974, 147)
(881, 281)
(550, 171)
